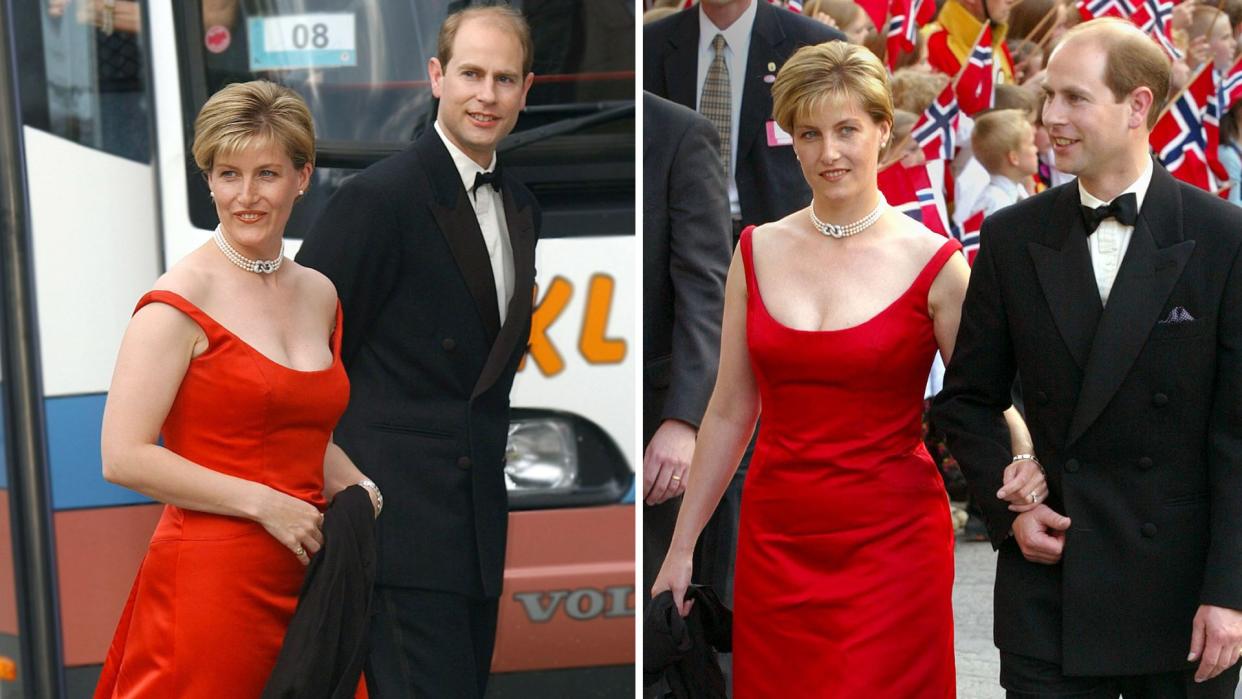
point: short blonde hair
(246, 114)
(903, 126)
(997, 134)
(914, 90)
(817, 74)
(1202, 19)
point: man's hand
(1216, 637)
(666, 462)
(1041, 534)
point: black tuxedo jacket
(1136, 413)
(686, 252)
(430, 366)
(769, 181)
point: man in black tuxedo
(1116, 299)
(432, 253)
(686, 255)
(765, 182)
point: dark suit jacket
(769, 181)
(1137, 420)
(429, 365)
(686, 249)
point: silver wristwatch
(379, 497)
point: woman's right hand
(292, 522)
(675, 575)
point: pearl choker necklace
(831, 229)
(258, 266)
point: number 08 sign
(289, 42)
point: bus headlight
(556, 458)
(541, 457)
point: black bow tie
(482, 178)
(1124, 208)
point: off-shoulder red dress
(207, 613)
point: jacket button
(449, 344)
(1041, 397)
(1145, 463)
(1072, 465)
(464, 462)
(1149, 530)
(1160, 400)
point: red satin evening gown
(207, 613)
(844, 576)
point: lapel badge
(771, 66)
(769, 78)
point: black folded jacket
(325, 644)
(683, 651)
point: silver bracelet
(1027, 457)
(379, 497)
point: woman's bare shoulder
(189, 278)
(315, 287)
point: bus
(106, 94)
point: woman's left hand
(1025, 486)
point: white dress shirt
(737, 50)
(999, 193)
(1109, 242)
(490, 211)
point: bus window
(361, 65)
(93, 78)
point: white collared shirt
(489, 209)
(999, 193)
(737, 51)
(1109, 242)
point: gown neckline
(333, 345)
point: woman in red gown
(832, 317)
(234, 360)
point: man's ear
(530, 80)
(1141, 101)
(435, 71)
(1012, 157)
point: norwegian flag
(1180, 137)
(975, 84)
(968, 236)
(1090, 9)
(909, 190)
(1229, 90)
(1155, 17)
(936, 129)
(904, 19)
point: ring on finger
(1033, 497)
(676, 477)
(299, 551)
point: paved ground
(977, 661)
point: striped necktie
(716, 102)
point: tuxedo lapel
(521, 225)
(460, 227)
(681, 65)
(1151, 267)
(1063, 264)
(766, 40)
